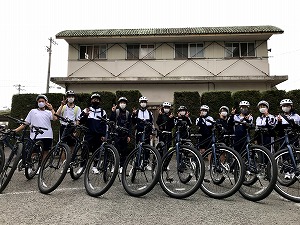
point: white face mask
(122, 105)
(71, 100)
(166, 110)
(41, 104)
(143, 104)
(263, 110)
(223, 114)
(182, 113)
(286, 109)
(203, 113)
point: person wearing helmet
(266, 121)
(165, 122)
(287, 119)
(183, 118)
(41, 117)
(140, 118)
(224, 128)
(204, 123)
(91, 118)
(240, 129)
(122, 117)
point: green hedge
(294, 95)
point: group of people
(166, 121)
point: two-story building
(159, 62)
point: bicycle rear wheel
(2, 156)
(80, 158)
(101, 171)
(54, 168)
(219, 180)
(34, 160)
(288, 180)
(10, 165)
(183, 179)
(141, 171)
(260, 175)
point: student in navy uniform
(239, 129)
(140, 117)
(183, 115)
(267, 121)
(224, 128)
(203, 122)
(97, 128)
(122, 118)
(288, 118)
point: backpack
(118, 113)
(76, 108)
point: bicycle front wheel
(260, 175)
(101, 171)
(181, 179)
(2, 156)
(10, 165)
(288, 180)
(219, 180)
(34, 160)
(80, 158)
(141, 170)
(54, 168)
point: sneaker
(120, 169)
(79, 170)
(130, 172)
(287, 176)
(95, 170)
(168, 168)
(112, 170)
(37, 173)
(68, 171)
(148, 167)
(29, 170)
(62, 166)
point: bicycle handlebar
(18, 120)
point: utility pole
(49, 49)
(19, 88)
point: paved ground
(22, 203)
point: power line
(49, 49)
(19, 88)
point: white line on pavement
(32, 192)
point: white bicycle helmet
(263, 103)
(143, 98)
(166, 104)
(244, 103)
(41, 96)
(70, 92)
(122, 99)
(224, 107)
(204, 107)
(95, 95)
(286, 101)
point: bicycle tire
(79, 161)
(54, 167)
(220, 180)
(34, 160)
(137, 180)
(289, 189)
(10, 165)
(2, 156)
(263, 171)
(106, 160)
(191, 164)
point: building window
(93, 52)
(196, 50)
(140, 51)
(146, 51)
(181, 51)
(133, 51)
(244, 49)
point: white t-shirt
(40, 118)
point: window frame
(240, 50)
(152, 52)
(93, 51)
(135, 58)
(202, 51)
(182, 58)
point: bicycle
(179, 165)
(102, 167)
(260, 166)
(2, 155)
(55, 165)
(224, 168)
(15, 144)
(288, 161)
(141, 168)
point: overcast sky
(27, 25)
